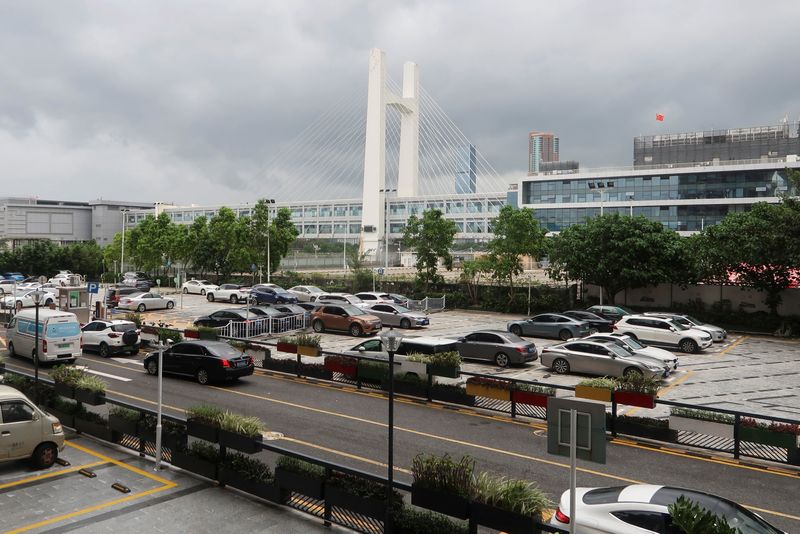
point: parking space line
(731, 346)
(119, 463)
(51, 474)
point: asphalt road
(349, 427)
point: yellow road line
(729, 347)
(345, 454)
(49, 475)
(123, 465)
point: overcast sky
(188, 101)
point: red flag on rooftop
(659, 117)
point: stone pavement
(61, 499)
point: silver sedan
(146, 301)
(598, 358)
(397, 315)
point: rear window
(603, 495)
(123, 327)
(63, 329)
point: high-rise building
(466, 176)
(542, 147)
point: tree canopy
(431, 238)
(516, 234)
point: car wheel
(185, 290)
(11, 349)
(133, 352)
(45, 455)
(202, 376)
(501, 359)
(565, 335)
(593, 330)
(48, 302)
(103, 350)
(405, 323)
(152, 367)
(631, 372)
(355, 330)
(210, 297)
(313, 299)
(689, 345)
(561, 366)
(319, 327)
(233, 299)
(202, 291)
(516, 330)
(170, 304)
(141, 308)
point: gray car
(397, 315)
(552, 325)
(502, 348)
(599, 358)
(717, 333)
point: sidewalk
(61, 499)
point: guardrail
(427, 304)
(262, 326)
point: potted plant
(123, 420)
(596, 389)
(206, 332)
(300, 476)
(442, 485)
(202, 421)
(774, 434)
(250, 475)
(287, 344)
(358, 495)
(345, 365)
(64, 378)
(93, 424)
(513, 506)
(492, 388)
(447, 364)
(646, 427)
(308, 344)
(200, 458)
(64, 410)
(532, 394)
(90, 390)
(240, 432)
(407, 520)
(701, 422)
(373, 371)
(191, 333)
(454, 393)
(637, 390)
(173, 434)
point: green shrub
(167, 334)
(702, 415)
(603, 383)
(240, 424)
(204, 413)
(204, 451)
(124, 413)
(535, 388)
(296, 465)
(645, 421)
(439, 359)
(134, 318)
(66, 374)
(442, 473)
(413, 521)
(252, 468)
(91, 383)
(308, 340)
(637, 383)
(517, 496)
(695, 519)
(361, 487)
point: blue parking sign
(93, 287)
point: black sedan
(205, 361)
(596, 323)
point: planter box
(173, 442)
(449, 372)
(248, 444)
(97, 430)
(122, 425)
(300, 483)
(632, 398)
(211, 336)
(191, 334)
(407, 388)
(376, 374)
(336, 496)
(499, 519)
(316, 371)
(308, 351)
(530, 398)
(66, 419)
(291, 348)
(349, 370)
(64, 390)
(202, 431)
(282, 365)
(234, 479)
(587, 392)
(646, 431)
(479, 390)
(194, 464)
(93, 398)
(767, 437)
(708, 428)
(456, 397)
(444, 503)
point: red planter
(291, 348)
(191, 334)
(349, 370)
(528, 397)
(632, 398)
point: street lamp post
(601, 187)
(160, 392)
(391, 341)
(269, 202)
(124, 213)
(37, 299)
(630, 194)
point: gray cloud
(188, 101)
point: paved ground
(62, 500)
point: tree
(283, 232)
(471, 272)
(222, 234)
(760, 247)
(197, 252)
(516, 234)
(431, 238)
(692, 518)
(615, 253)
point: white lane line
(115, 377)
(125, 360)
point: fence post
(613, 415)
(425, 301)
(444, 301)
(513, 402)
(736, 445)
(298, 365)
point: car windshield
(283, 293)
(696, 321)
(625, 310)
(63, 330)
(619, 351)
(314, 289)
(401, 309)
(678, 325)
(632, 343)
(354, 310)
(354, 300)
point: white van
(59, 335)
(26, 431)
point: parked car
(372, 297)
(598, 358)
(596, 323)
(110, 337)
(717, 333)
(29, 285)
(59, 335)
(8, 286)
(198, 287)
(408, 345)
(643, 508)
(306, 293)
(638, 348)
(310, 306)
(113, 294)
(223, 317)
(142, 302)
(664, 332)
(264, 294)
(27, 431)
(289, 309)
(612, 313)
(138, 279)
(502, 348)
(340, 298)
(399, 299)
(25, 299)
(392, 314)
(549, 325)
(344, 317)
(233, 293)
(17, 277)
(206, 361)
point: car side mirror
(35, 416)
(395, 312)
(360, 349)
(673, 329)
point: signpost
(92, 288)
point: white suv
(664, 332)
(109, 337)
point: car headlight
(654, 368)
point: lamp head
(391, 340)
(37, 297)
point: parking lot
(748, 373)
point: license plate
(64, 345)
(241, 364)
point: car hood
(656, 353)
(647, 360)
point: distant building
(542, 147)
(757, 143)
(466, 176)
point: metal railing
(431, 304)
(263, 326)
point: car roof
(428, 340)
(7, 393)
(206, 343)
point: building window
(355, 211)
(340, 228)
(325, 228)
(396, 228)
(325, 211)
(297, 212)
(310, 212)
(355, 228)
(340, 211)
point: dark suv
(114, 293)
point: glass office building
(466, 176)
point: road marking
(147, 401)
(729, 347)
(115, 377)
(345, 454)
(48, 475)
(128, 361)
